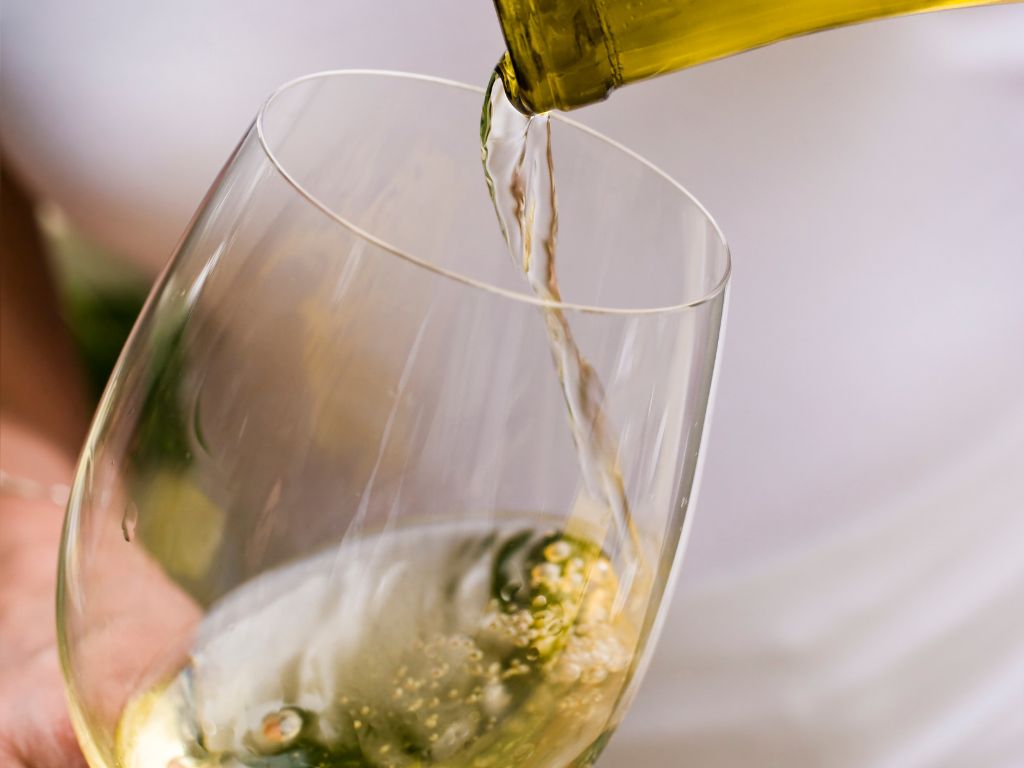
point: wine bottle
(566, 53)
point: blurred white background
(853, 588)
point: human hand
(35, 731)
(147, 621)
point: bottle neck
(560, 54)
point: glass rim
(514, 295)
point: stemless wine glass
(330, 511)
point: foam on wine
(459, 644)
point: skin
(34, 727)
(42, 424)
(142, 619)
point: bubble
(545, 574)
(557, 551)
(509, 591)
(279, 729)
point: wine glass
(330, 511)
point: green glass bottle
(566, 53)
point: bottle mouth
(561, 56)
(505, 71)
(339, 217)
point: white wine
(520, 173)
(465, 645)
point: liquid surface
(437, 645)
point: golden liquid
(566, 53)
(462, 645)
(520, 173)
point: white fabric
(854, 590)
